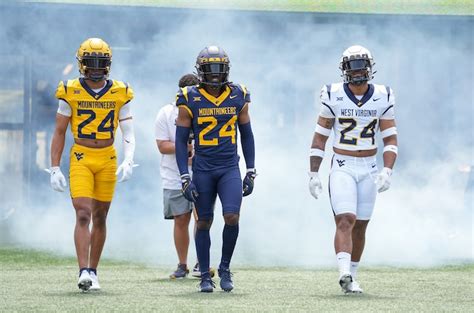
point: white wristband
(322, 130)
(391, 148)
(388, 132)
(316, 152)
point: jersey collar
(96, 95)
(368, 94)
(216, 101)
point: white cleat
(354, 287)
(84, 283)
(95, 282)
(345, 281)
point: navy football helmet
(212, 65)
(356, 65)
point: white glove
(315, 186)
(127, 170)
(58, 181)
(383, 179)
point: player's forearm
(166, 147)
(248, 144)
(57, 147)
(390, 151)
(181, 146)
(317, 152)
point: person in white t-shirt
(175, 205)
(356, 112)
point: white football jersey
(356, 118)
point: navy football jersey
(214, 123)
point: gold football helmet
(94, 58)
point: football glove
(248, 182)
(58, 181)
(188, 188)
(383, 179)
(315, 186)
(126, 168)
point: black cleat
(226, 279)
(207, 284)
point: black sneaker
(207, 284)
(226, 279)
(181, 272)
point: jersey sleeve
(161, 129)
(61, 91)
(389, 112)
(129, 94)
(182, 100)
(325, 99)
(246, 93)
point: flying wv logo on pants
(79, 156)
(340, 162)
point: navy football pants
(226, 183)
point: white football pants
(352, 186)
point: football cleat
(207, 284)
(354, 287)
(226, 279)
(84, 283)
(197, 273)
(345, 281)
(181, 272)
(95, 282)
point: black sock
(229, 239)
(92, 270)
(83, 269)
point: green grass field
(39, 282)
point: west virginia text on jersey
(94, 115)
(356, 120)
(214, 123)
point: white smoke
(284, 59)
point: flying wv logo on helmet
(94, 58)
(213, 66)
(356, 65)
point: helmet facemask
(357, 69)
(95, 67)
(213, 74)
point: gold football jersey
(94, 115)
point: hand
(58, 181)
(188, 188)
(248, 183)
(127, 170)
(315, 186)
(383, 179)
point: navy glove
(247, 184)
(188, 188)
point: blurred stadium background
(284, 51)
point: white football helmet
(356, 65)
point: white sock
(344, 263)
(354, 266)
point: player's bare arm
(59, 138)
(389, 137)
(319, 142)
